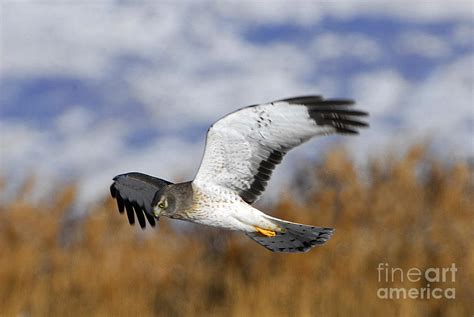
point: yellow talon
(265, 232)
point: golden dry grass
(408, 212)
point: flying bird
(241, 151)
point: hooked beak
(156, 213)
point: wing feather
(134, 193)
(243, 148)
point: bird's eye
(161, 205)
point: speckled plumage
(242, 149)
(220, 207)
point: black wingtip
(130, 212)
(151, 219)
(317, 100)
(338, 114)
(120, 204)
(139, 214)
(113, 191)
(347, 131)
(336, 102)
(302, 100)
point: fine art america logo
(431, 280)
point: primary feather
(243, 148)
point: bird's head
(164, 203)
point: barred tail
(296, 237)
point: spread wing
(243, 148)
(134, 193)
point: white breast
(220, 207)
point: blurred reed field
(411, 211)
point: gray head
(171, 199)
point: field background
(409, 211)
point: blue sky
(91, 90)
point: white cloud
(383, 94)
(443, 107)
(422, 44)
(190, 59)
(380, 92)
(21, 153)
(19, 145)
(74, 121)
(463, 35)
(83, 38)
(438, 110)
(232, 66)
(311, 12)
(331, 46)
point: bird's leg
(265, 232)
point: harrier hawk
(242, 149)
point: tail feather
(295, 238)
